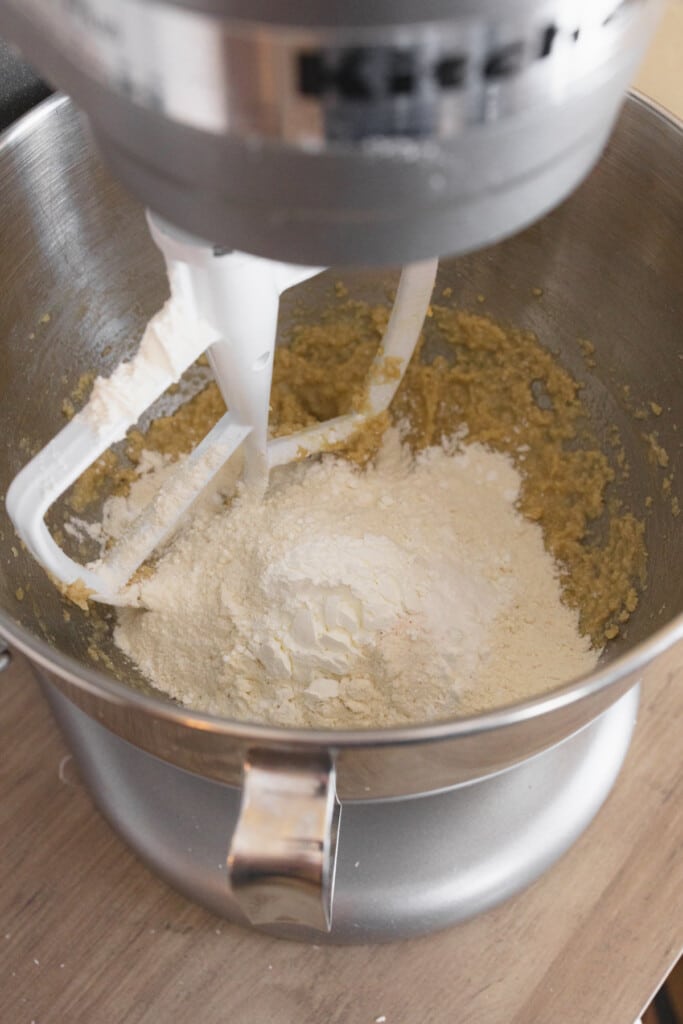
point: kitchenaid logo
(365, 73)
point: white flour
(407, 591)
(172, 340)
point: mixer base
(404, 866)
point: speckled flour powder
(403, 592)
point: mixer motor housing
(353, 133)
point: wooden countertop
(87, 934)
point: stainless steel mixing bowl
(80, 277)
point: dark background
(20, 87)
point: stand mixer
(309, 137)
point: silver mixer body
(330, 134)
(354, 133)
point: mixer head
(328, 133)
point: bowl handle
(282, 858)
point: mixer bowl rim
(98, 684)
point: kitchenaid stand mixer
(374, 138)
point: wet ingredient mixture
(462, 558)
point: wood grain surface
(87, 934)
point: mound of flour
(407, 591)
